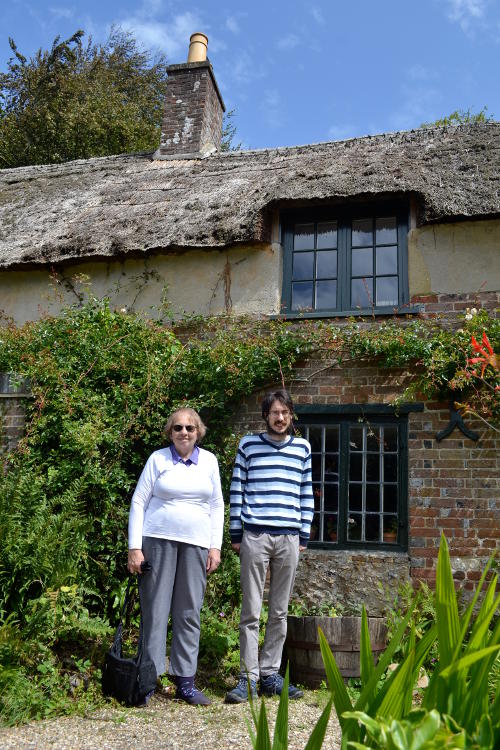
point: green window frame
(345, 260)
(360, 478)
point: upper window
(345, 261)
(359, 474)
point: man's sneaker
(273, 685)
(239, 694)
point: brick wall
(451, 307)
(193, 110)
(453, 487)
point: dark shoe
(146, 699)
(239, 694)
(273, 685)
(193, 696)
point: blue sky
(304, 72)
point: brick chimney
(192, 119)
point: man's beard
(271, 432)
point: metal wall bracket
(456, 421)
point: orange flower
(486, 355)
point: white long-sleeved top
(177, 501)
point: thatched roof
(132, 205)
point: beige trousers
(257, 552)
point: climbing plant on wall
(103, 382)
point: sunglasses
(187, 427)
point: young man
(271, 509)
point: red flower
(486, 354)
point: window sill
(357, 548)
(368, 313)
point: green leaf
(469, 659)
(425, 729)
(315, 741)
(396, 697)
(262, 739)
(366, 656)
(280, 739)
(335, 680)
(448, 623)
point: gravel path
(170, 725)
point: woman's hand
(213, 560)
(135, 557)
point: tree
(461, 117)
(79, 100)
(75, 101)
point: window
(352, 261)
(359, 472)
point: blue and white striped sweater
(271, 487)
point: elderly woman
(175, 524)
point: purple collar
(193, 458)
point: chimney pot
(198, 44)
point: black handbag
(128, 679)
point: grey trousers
(257, 552)
(176, 586)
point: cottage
(397, 224)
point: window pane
(331, 497)
(390, 439)
(362, 293)
(391, 467)
(386, 260)
(315, 438)
(373, 497)
(372, 528)
(326, 264)
(362, 233)
(303, 266)
(331, 467)
(355, 466)
(302, 296)
(386, 231)
(330, 530)
(362, 262)
(355, 496)
(332, 439)
(354, 526)
(303, 237)
(317, 496)
(314, 535)
(373, 439)
(390, 498)
(387, 291)
(316, 467)
(356, 438)
(327, 235)
(372, 467)
(326, 295)
(390, 529)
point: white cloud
(340, 132)
(466, 12)
(420, 73)
(272, 108)
(171, 38)
(290, 41)
(58, 12)
(233, 25)
(317, 14)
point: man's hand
(236, 547)
(301, 548)
(213, 559)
